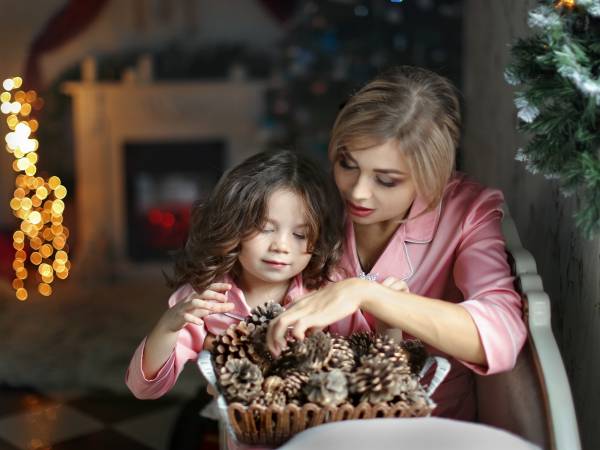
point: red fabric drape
(70, 21)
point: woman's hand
(196, 306)
(322, 308)
(318, 309)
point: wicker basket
(273, 425)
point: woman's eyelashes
(386, 182)
(345, 163)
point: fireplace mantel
(106, 115)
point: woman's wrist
(362, 292)
(374, 295)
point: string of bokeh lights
(40, 243)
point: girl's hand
(318, 309)
(196, 306)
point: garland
(557, 73)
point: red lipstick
(359, 211)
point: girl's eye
(267, 230)
(299, 236)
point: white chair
(534, 399)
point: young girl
(413, 217)
(270, 231)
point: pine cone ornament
(232, 344)
(273, 392)
(361, 343)
(240, 381)
(375, 380)
(408, 384)
(327, 388)
(340, 356)
(417, 354)
(307, 355)
(238, 343)
(387, 348)
(263, 314)
(292, 385)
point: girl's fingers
(212, 295)
(190, 318)
(208, 304)
(220, 287)
(203, 308)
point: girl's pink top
(457, 253)
(190, 341)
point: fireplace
(163, 180)
(144, 151)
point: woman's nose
(361, 189)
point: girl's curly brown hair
(236, 210)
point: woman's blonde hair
(417, 108)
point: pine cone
(389, 349)
(308, 355)
(408, 384)
(258, 347)
(340, 356)
(273, 392)
(233, 343)
(263, 314)
(240, 381)
(375, 380)
(327, 388)
(417, 354)
(292, 385)
(361, 343)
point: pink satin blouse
(457, 253)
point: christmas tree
(557, 71)
(333, 47)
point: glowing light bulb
(17, 82)
(8, 84)
(35, 217)
(23, 130)
(23, 163)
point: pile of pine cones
(321, 369)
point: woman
(412, 217)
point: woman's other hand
(396, 284)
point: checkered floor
(32, 420)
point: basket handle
(441, 371)
(207, 369)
